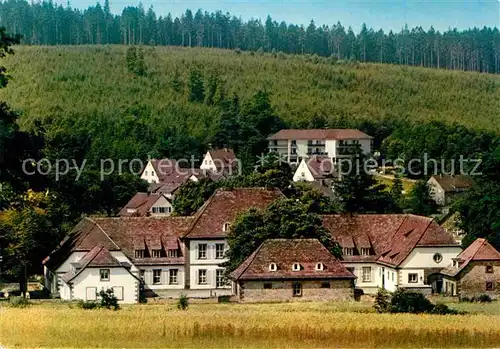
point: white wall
(207, 163)
(422, 257)
(376, 280)
(90, 277)
(149, 174)
(331, 148)
(162, 202)
(302, 148)
(303, 173)
(211, 264)
(165, 273)
(437, 193)
(73, 258)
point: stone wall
(312, 290)
(472, 281)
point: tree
(397, 191)
(283, 218)
(192, 195)
(420, 201)
(195, 86)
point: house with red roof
(221, 161)
(292, 269)
(445, 189)
(474, 272)
(147, 204)
(295, 145)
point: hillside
(89, 88)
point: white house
(444, 189)
(295, 145)
(148, 204)
(220, 161)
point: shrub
(465, 299)
(382, 301)
(404, 301)
(443, 309)
(19, 302)
(87, 305)
(40, 294)
(183, 302)
(108, 300)
(224, 299)
(483, 298)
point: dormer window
(156, 253)
(173, 253)
(139, 253)
(226, 226)
(273, 267)
(365, 251)
(348, 251)
(319, 266)
(296, 267)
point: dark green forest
(45, 23)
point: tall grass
(244, 326)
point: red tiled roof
(223, 158)
(453, 183)
(321, 167)
(225, 205)
(337, 134)
(285, 253)
(141, 203)
(391, 237)
(163, 167)
(479, 250)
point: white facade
(149, 174)
(161, 208)
(208, 163)
(303, 173)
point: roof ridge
(425, 230)
(114, 243)
(251, 258)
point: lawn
(244, 326)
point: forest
(46, 23)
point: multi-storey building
(295, 145)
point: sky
(388, 15)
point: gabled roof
(453, 183)
(223, 158)
(337, 134)
(479, 250)
(285, 253)
(140, 203)
(320, 167)
(225, 205)
(391, 237)
(163, 167)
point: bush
(87, 305)
(19, 302)
(224, 299)
(382, 301)
(483, 298)
(183, 302)
(108, 300)
(443, 309)
(40, 294)
(404, 301)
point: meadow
(297, 325)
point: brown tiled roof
(171, 183)
(321, 167)
(163, 167)
(391, 237)
(337, 134)
(284, 253)
(223, 157)
(225, 205)
(141, 203)
(453, 183)
(479, 250)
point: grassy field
(245, 326)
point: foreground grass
(241, 326)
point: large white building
(172, 255)
(295, 145)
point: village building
(317, 171)
(290, 270)
(295, 145)
(476, 271)
(393, 250)
(445, 189)
(147, 204)
(221, 161)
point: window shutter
(164, 276)
(149, 276)
(209, 277)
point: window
(156, 276)
(367, 274)
(161, 210)
(273, 267)
(202, 277)
(139, 253)
(172, 276)
(365, 251)
(489, 286)
(173, 253)
(325, 284)
(219, 251)
(437, 258)
(302, 174)
(104, 273)
(294, 142)
(296, 267)
(146, 173)
(297, 290)
(220, 279)
(348, 251)
(118, 292)
(412, 278)
(141, 274)
(226, 226)
(489, 269)
(268, 285)
(156, 253)
(319, 266)
(393, 275)
(202, 251)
